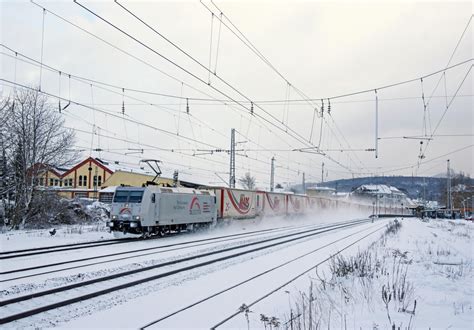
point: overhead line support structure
(232, 159)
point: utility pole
(449, 205)
(272, 175)
(322, 172)
(376, 125)
(304, 184)
(232, 159)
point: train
(155, 210)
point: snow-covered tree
(33, 139)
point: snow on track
(184, 279)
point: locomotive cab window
(135, 196)
(128, 196)
(121, 196)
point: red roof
(85, 161)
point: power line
(123, 52)
(446, 110)
(296, 135)
(135, 57)
(172, 150)
(430, 160)
(113, 115)
(93, 105)
(268, 102)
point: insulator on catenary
(123, 101)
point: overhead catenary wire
(113, 115)
(94, 105)
(254, 49)
(148, 64)
(120, 91)
(267, 102)
(447, 108)
(285, 125)
(351, 148)
(295, 135)
(115, 47)
(100, 110)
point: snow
(33, 238)
(436, 253)
(110, 189)
(439, 259)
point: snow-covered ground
(57, 278)
(427, 262)
(436, 255)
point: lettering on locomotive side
(180, 205)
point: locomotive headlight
(133, 224)
(110, 224)
(114, 217)
(137, 217)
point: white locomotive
(154, 210)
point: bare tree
(33, 140)
(247, 181)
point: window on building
(56, 182)
(80, 180)
(97, 180)
(41, 181)
(65, 182)
(51, 182)
(70, 182)
(85, 180)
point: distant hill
(412, 186)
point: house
(88, 177)
(82, 180)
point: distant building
(382, 196)
(88, 177)
(82, 180)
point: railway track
(37, 302)
(63, 247)
(78, 246)
(133, 253)
(263, 273)
(294, 278)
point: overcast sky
(322, 49)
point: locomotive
(154, 210)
